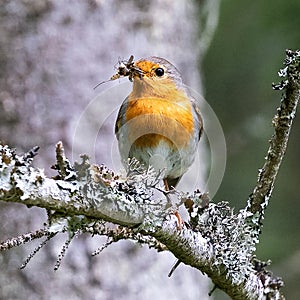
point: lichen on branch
(89, 198)
(282, 123)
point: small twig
(104, 246)
(37, 249)
(63, 165)
(212, 290)
(63, 251)
(31, 153)
(282, 123)
(174, 267)
(23, 239)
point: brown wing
(121, 116)
(198, 117)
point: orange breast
(151, 119)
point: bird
(159, 123)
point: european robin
(159, 123)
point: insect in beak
(126, 68)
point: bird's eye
(159, 72)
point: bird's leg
(180, 222)
(167, 191)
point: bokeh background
(52, 54)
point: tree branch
(282, 123)
(216, 241)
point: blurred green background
(241, 64)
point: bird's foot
(180, 221)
